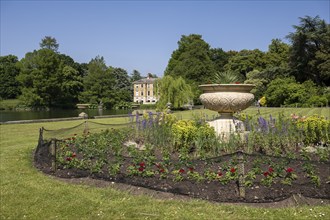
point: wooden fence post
(241, 173)
(86, 128)
(53, 154)
(41, 136)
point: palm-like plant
(226, 77)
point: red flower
(162, 170)
(191, 169)
(237, 82)
(142, 164)
(68, 158)
(266, 174)
(232, 170)
(181, 170)
(270, 169)
(74, 154)
(141, 169)
(289, 170)
(219, 174)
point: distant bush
(317, 101)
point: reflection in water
(56, 113)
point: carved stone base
(226, 125)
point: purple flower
(144, 123)
(263, 125)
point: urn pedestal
(226, 99)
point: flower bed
(149, 155)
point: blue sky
(142, 35)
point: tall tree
(122, 87)
(136, 75)
(310, 51)
(47, 80)
(99, 84)
(219, 58)
(277, 54)
(9, 86)
(245, 61)
(191, 60)
(49, 42)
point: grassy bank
(28, 194)
(9, 104)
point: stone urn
(226, 99)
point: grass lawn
(28, 194)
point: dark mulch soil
(301, 190)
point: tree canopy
(310, 51)
(9, 86)
(174, 90)
(192, 60)
(50, 43)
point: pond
(56, 113)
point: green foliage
(286, 91)
(50, 43)
(245, 61)
(175, 91)
(191, 60)
(277, 54)
(99, 84)
(227, 77)
(47, 81)
(184, 132)
(188, 134)
(315, 129)
(9, 86)
(136, 75)
(219, 57)
(309, 55)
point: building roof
(147, 80)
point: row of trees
(286, 74)
(47, 78)
(306, 61)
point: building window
(141, 85)
(148, 93)
(136, 93)
(141, 93)
(137, 86)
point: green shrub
(317, 101)
(315, 129)
(184, 132)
